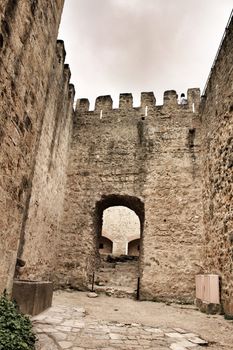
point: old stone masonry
(65, 171)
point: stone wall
(48, 185)
(28, 33)
(117, 276)
(217, 121)
(147, 159)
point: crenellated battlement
(148, 102)
(148, 99)
(170, 98)
(126, 101)
(103, 103)
(61, 52)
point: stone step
(106, 269)
(116, 291)
(107, 276)
(117, 277)
(123, 281)
(119, 265)
(117, 271)
(128, 263)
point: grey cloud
(118, 46)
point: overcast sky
(116, 46)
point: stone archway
(118, 272)
(105, 245)
(112, 200)
(134, 247)
(120, 225)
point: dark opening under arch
(134, 247)
(105, 245)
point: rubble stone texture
(35, 116)
(150, 164)
(217, 150)
(170, 164)
(118, 277)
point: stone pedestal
(32, 297)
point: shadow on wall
(134, 247)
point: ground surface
(78, 322)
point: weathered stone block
(32, 297)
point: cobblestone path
(65, 327)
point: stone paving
(65, 327)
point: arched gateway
(140, 158)
(116, 270)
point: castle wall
(28, 33)
(217, 120)
(48, 184)
(154, 160)
(149, 163)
